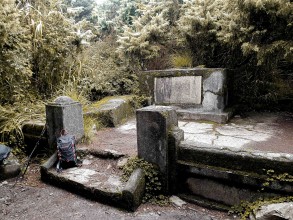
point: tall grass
(13, 117)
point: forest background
(89, 51)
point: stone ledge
(220, 117)
(255, 161)
(128, 197)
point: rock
(114, 153)
(134, 190)
(177, 201)
(274, 211)
(121, 163)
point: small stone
(275, 211)
(51, 194)
(121, 163)
(177, 201)
(114, 153)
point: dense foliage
(251, 38)
(15, 56)
(48, 46)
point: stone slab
(179, 90)
(98, 179)
(220, 117)
(134, 189)
(259, 132)
(251, 161)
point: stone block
(154, 125)
(112, 111)
(178, 90)
(64, 113)
(133, 192)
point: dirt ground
(32, 199)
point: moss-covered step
(112, 111)
(98, 179)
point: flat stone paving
(262, 132)
(269, 132)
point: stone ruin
(196, 94)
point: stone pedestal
(157, 135)
(64, 113)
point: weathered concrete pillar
(64, 113)
(157, 138)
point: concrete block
(64, 113)
(133, 191)
(154, 125)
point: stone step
(220, 117)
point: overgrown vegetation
(153, 190)
(46, 46)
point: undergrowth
(13, 117)
(153, 190)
